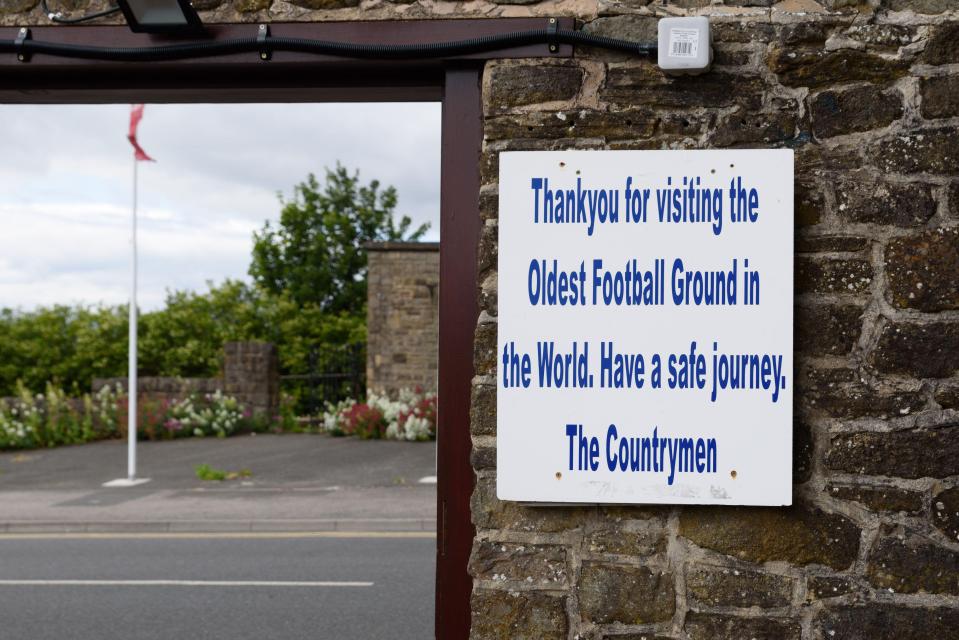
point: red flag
(136, 114)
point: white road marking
(428, 480)
(175, 583)
(227, 535)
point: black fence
(333, 375)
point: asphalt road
(264, 586)
(298, 483)
(288, 460)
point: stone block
(489, 512)
(836, 244)
(838, 112)
(882, 36)
(887, 621)
(727, 587)
(751, 129)
(640, 538)
(827, 329)
(530, 564)
(627, 595)
(911, 453)
(895, 204)
(742, 32)
(922, 271)
(484, 349)
(945, 513)
(809, 204)
(841, 393)
(724, 57)
(925, 151)
(17, 6)
(808, 32)
(803, 449)
(940, 97)
(483, 410)
(832, 275)
(626, 27)
(579, 123)
(513, 85)
(814, 158)
(483, 458)
(910, 565)
(488, 248)
(714, 626)
(503, 615)
(798, 534)
(252, 6)
(923, 350)
(684, 124)
(816, 68)
(629, 86)
(825, 587)
(943, 44)
(878, 498)
(947, 395)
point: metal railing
(332, 375)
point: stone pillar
(402, 317)
(251, 373)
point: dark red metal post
(459, 239)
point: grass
(208, 474)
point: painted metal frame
(293, 77)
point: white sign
(645, 327)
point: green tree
(186, 337)
(315, 255)
(65, 345)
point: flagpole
(136, 114)
(132, 365)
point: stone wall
(869, 99)
(161, 389)
(402, 315)
(250, 374)
(867, 93)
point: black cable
(202, 49)
(59, 19)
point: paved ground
(299, 483)
(160, 587)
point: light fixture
(161, 16)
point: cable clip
(262, 33)
(22, 36)
(552, 29)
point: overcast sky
(66, 183)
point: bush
(364, 421)
(213, 414)
(72, 345)
(411, 416)
(52, 419)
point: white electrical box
(685, 45)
